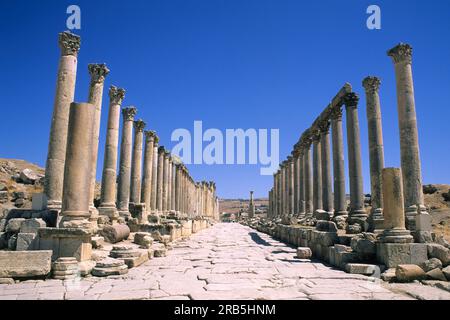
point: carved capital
(150, 135)
(161, 150)
(324, 126)
(98, 72)
(351, 100)
(116, 95)
(401, 53)
(129, 113)
(336, 114)
(371, 84)
(156, 140)
(69, 43)
(139, 125)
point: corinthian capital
(139, 125)
(156, 140)
(401, 53)
(69, 43)
(98, 72)
(371, 84)
(129, 113)
(324, 126)
(150, 135)
(351, 99)
(116, 95)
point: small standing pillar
(376, 153)
(109, 176)
(409, 140)
(136, 164)
(394, 216)
(98, 73)
(123, 193)
(146, 195)
(77, 172)
(251, 206)
(357, 214)
(69, 44)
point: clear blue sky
(231, 64)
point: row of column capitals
(129, 113)
(116, 95)
(69, 43)
(98, 72)
(139, 125)
(401, 53)
(371, 84)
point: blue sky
(232, 64)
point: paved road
(227, 261)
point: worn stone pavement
(226, 261)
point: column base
(358, 216)
(396, 236)
(124, 214)
(54, 205)
(109, 210)
(72, 222)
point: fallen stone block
(431, 264)
(65, 268)
(440, 252)
(436, 274)
(393, 254)
(98, 242)
(388, 275)
(136, 261)
(24, 264)
(85, 267)
(143, 239)
(109, 267)
(115, 233)
(6, 281)
(14, 224)
(328, 226)
(26, 241)
(159, 251)
(364, 269)
(32, 225)
(446, 272)
(409, 273)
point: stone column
(169, 185)
(160, 181)
(146, 196)
(340, 202)
(301, 184)
(283, 189)
(136, 164)
(357, 212)
(275, 191)
(394, 217)
(109, 176)
(123, 193)
(174, 185)
(177, 188)
(154, 188)
(409, 140)
(251, 206)
(317, 175)
(290, 169)
(165, 195)
(327, 191)
(296, 182)
(308, 180)
(376, 153)
(65, 90)
(98, 72)
(77, 172)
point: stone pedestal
(394, 218)
(66, 242)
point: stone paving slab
(225, 262)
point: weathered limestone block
(364, 269)
(324, 238)
(159, 250)
(446, 272)
(98, 242)
(364, 244)
(431, 264)
(32, 225)
(85, 267)
(66, 242)
(23, 264)
(328, 226)
(109, 267)
(409, 272)
(186, 228)
(6, 281)
(14, 224)
(130, 256)
(26, 241)
(143, 239)
(393, 254)
(304, 253)
(65, 268)
(115, 233)
(440, 252)
(38, 201)
(436, 274)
